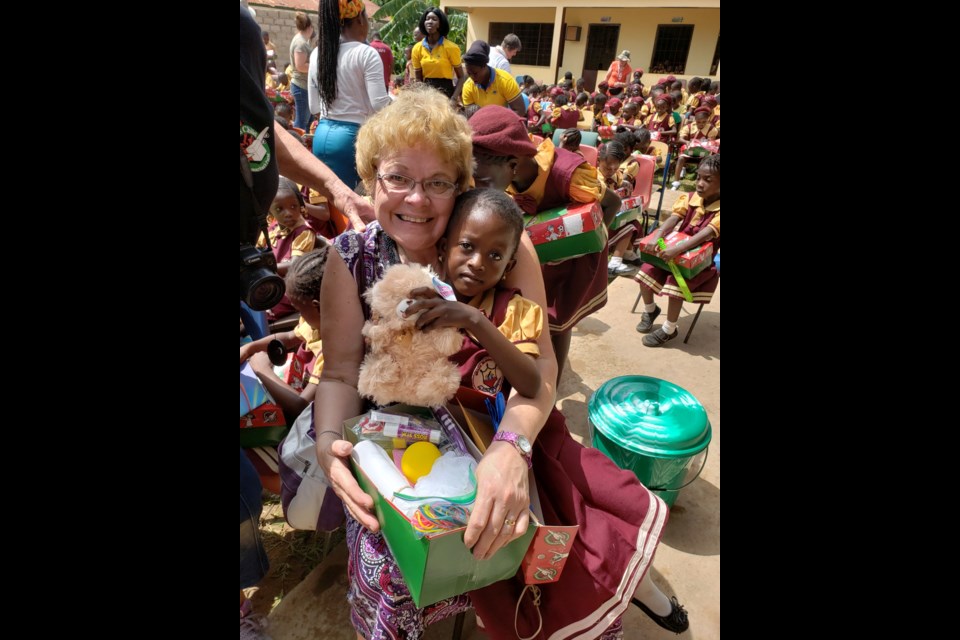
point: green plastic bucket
(654, 428)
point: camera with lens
(260, 286)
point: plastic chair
(643, 186)
(588, 138)
(590, 154)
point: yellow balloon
(418, 459)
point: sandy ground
(604, 346)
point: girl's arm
(337, 398)
(696, 240)
(290, 402)
(289, 339)
(664, 229)
(519, 368)
(502, 483)
(373, 78)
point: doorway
(601, 50)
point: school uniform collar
(697, 201)
(426, 45)
(493, 77)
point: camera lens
(260, 286)
(261, 289)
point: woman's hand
(334, 455)
(503, 493)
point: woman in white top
(345, 84)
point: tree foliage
(404, 15)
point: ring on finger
(509, 521)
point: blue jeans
(302, 103)
(253, 557)
(334, 142)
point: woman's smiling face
(414, 219)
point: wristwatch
(520, 442)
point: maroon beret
(498, 131)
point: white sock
(669, 327)
(650, 595)
(615, 262)
(650, 308)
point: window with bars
(671, 48)
(536, 38)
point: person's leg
(253, 557)
(650, 310)
(302, 105)
(561, 346)
(682, 160)
(668, 613)
(668, 330)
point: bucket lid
(650, 416)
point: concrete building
(678, 37)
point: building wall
(638, 31)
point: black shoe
(676, 621)
(646, 320)
(659, 337)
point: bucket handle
(688, 483)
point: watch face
(524, 444)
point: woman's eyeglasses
(402, 184)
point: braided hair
(305, 274)
(711, 162)
(328, 48)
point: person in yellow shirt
(487, 85)
(436, 60)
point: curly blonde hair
(420, 115)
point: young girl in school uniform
(501, 326)
(699, 217)
(290, 236)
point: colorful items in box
(567, 232)
(702, 147)
(690, 262)
(261, 421)
(631, 208)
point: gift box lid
(252, 392)
(563, 222)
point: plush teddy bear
(403, 363)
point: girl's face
(308, 309)
(701, 119)
(708, 185)
(414, 219)
(286, 209)
(608, 167)
(663, 106)
(432, 23)
(630, 111)
(478, 252)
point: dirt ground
(605, 345)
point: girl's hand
(503, 493)
(651, 246)
(439, 313)
(672, 252)
(260, 362)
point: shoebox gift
(690, 262)
(631, 208)
(261, 421)
(438, 566)
(567, 232)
